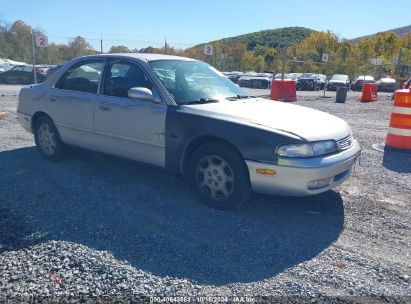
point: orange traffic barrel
(284, 90)
(399, 134)
(369, 92)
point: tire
(228, 185)
(47, 139)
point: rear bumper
(335, 85)
(386, 88)
(293, 179)
(306, 85)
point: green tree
(384, 44)
(247, 61)
(119, 49)
(79, 47)
(259, 64)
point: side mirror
(140, 93)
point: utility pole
(165, 46)
(284, 61)
(398, 71)
(101, 44)
(398, 62)
(34, 57)
(275, 62)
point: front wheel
(219, 176)
(47, 139)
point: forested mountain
(269, 38)
(400, 31)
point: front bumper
(292, 176)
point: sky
(184, 23)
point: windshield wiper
(238, 96)
(200, 101)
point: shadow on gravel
(150, 218)
(14, 232)
(397, 161)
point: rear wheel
(47, 139)
(219, 176)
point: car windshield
(339, 77)
(195, 81)
(18, 68)
(307, 76)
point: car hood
(307, 123)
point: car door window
(83, 77)
(121, 76)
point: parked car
(200, 124)
(358, 83)
(386, 84)
(42, 69)
(233, 76)
(245, 81)
(53, 69)
(7, 64)
(266, 75)
(261, 82)
(255, 82)
(21, 74)
(338, 80)
(288, 76)
(407, 84)
(309, 82)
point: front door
(128, 127)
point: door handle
(53, 99)
(105, 108)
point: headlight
(308, 149)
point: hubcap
(215, 177)
(47, 139)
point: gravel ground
(98, 226)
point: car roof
(143, 56)
(387, 79)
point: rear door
(128, 127)
(71, 101)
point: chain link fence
(22, 62)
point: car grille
(346, 142)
